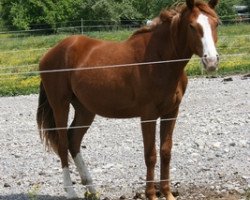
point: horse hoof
(170, 196)
(153, 198)
(92, 196)
(71, 194)
(89, 186)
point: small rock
(212, 187)
(232, 144)
(177, 184)
(245, 77)
(228, 79)
(218, 155)
(211, 77)
(41, 173)
(240, 191)
(243, 143)
(6, 185)
(221, 176)
(226, 150)
(139, 195)
(229, 186)
(123, 197)
(218, 110)
(16, 156)
(175, 192)
(195, 155)
(217, 144)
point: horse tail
(46, 122)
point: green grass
(20, 53)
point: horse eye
(192, 26)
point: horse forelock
(203, 7)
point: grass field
(21, 53)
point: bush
(33, 14)
(51, 14)
(225, 9)
(24, 14)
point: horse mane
(167, 15)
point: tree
(162, 4)
(225, 9)
(1, 17)
(31, 14)
(24, 14)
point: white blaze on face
(209, 49)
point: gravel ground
(210, 158)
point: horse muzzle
(210, 63)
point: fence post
(81, 26)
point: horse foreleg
(148, 132)
(166, 130)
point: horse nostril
(218, 57)
(205, 56)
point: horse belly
(107, 100)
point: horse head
(202, 32)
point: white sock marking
(84, 173)
(67, 183)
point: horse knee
(165, 153)
(150, 159)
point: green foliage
(25, 14)
(161, 4)
(31, 14)
(246, 2)
(226, 10)
(151, 8)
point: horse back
(67, 52)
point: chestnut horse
(149, 91)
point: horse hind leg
(61, 111)
(81, 122)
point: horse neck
(179, 38)
(170, 43)
(175, 35)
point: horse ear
(213, 3)
(190, 4)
